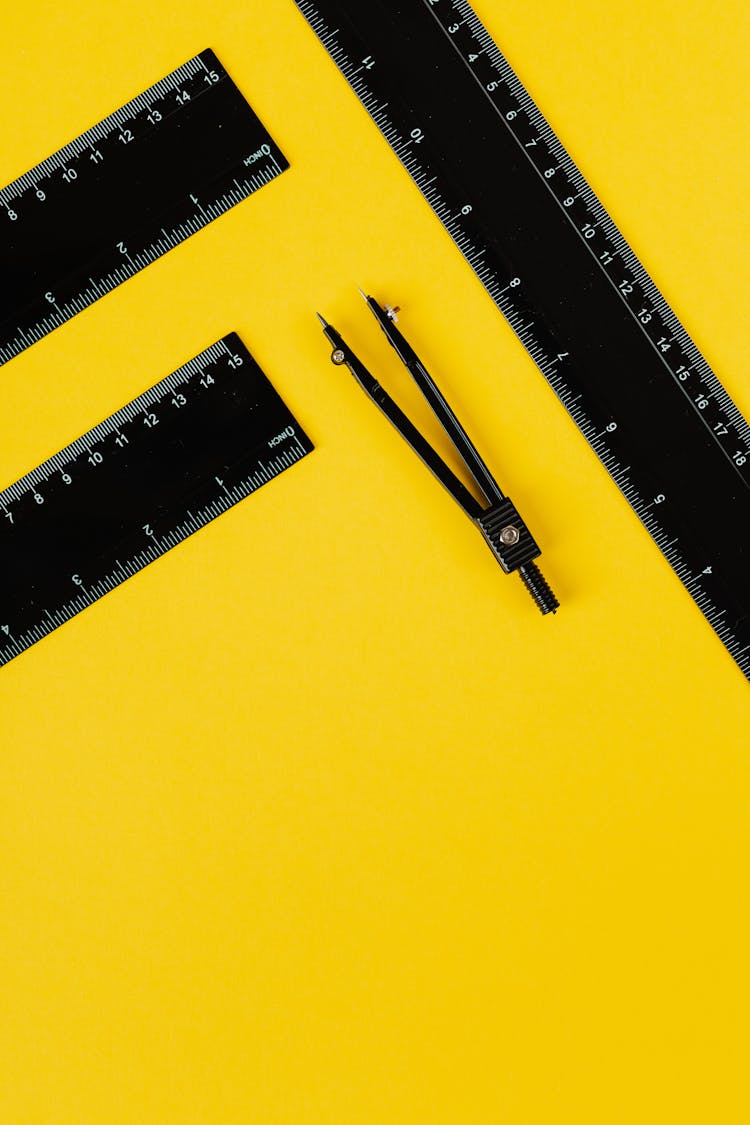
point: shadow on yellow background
(316, 820)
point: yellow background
(317, 820)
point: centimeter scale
(136, 485)
(124, 193)
(553, 261)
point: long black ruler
(124, 193)
(551, 258)
(136, 485)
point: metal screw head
(392, 311)
(509, 536)
(338, 356)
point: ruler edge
(184, 530)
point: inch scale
(124, 193)
(551, 258)
(136, 485)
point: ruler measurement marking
(586, 192)
(95, 170)
(237, 384)
(659, 306)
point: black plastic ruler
(124, 193)
(135, 486)
(554, 262)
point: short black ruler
(136, 485)
(124, 193)
(553, 261)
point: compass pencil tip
(322, 320)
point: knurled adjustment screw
(536, 584)
(338, 356)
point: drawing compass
(496, 516)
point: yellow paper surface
(316, 820)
